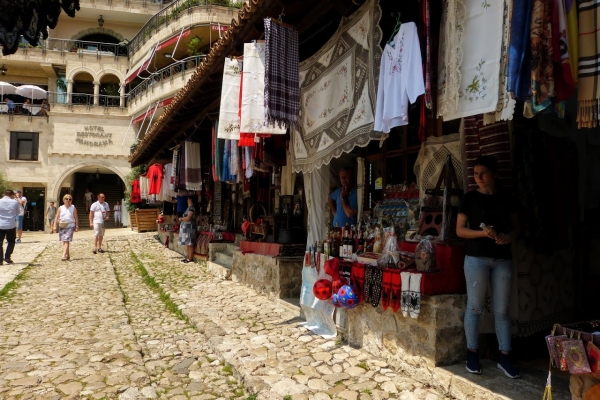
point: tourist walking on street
(51, 215)
(187, 230)
(488, 219)
(22, 200)
(9, 210)
(117, 214)
(89, 199)
(98, 215)
(66, 223)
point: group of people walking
(63, 220)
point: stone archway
(55, 190)
(99, 30)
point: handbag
(63, 224)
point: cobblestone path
(135, 323)
(90, 328)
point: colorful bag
(593, 354)
(425, 255)
(556, 355)
(576, 357)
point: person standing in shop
(343, 202)
(9, 210)
(98, 215)
(22, 200)
(488, 219)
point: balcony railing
(168, 72)
(171, 13)
(86, 99)
(82, 47)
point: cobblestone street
(135, 323)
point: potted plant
(194, 47)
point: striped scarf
(589, 59)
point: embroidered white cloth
(338, 91)
(229, 120)
(505, 107)
(480, 67)
(253, 92)
(450, 55)
(400, 79)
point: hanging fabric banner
(338, 88)
(229, 119)
(192, 166)
(477, 89)
(253, 92)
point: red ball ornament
(322, 289)
(337, 284)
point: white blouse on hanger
(400, 79)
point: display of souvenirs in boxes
(576, 348)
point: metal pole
(127, 133)
(154, 112)
(144, 120)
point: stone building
(107, 72)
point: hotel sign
(94, 136)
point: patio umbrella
(6, 88)
(31, 92)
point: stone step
(218, 270)
(224, 259)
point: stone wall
(579, 384)
(268, 275)
(435, 338)
(173, 245)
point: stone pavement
(136, 323)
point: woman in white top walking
(66, 214)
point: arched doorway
(110, 91)
(83, 89)
(95, 179)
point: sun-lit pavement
(135, 323)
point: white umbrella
(32, 92)
(7, 88)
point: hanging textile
(192, 166)
(542, 70)
(182, 172)
(155, 176)
(229, 121)
(573, 36)
(589, 56)
(400, 79)
(143, 187)
(338, 91)
(519, 55)
(175, 169)
(427, 34)
(226, 175)
(288, 176)
(564, 84)
(488, 140)
(248, 162)
(233, 157)
(450, 56)
(480, 67)
(282, 89)
(167, 189)
(360, 186)
(505, 107)
(135, 196)
(253, 119)
(215, 176)
(432, 157)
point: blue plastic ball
(348, 297)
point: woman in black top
(488, 219)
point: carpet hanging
(338, 91)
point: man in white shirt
(22, 200)
(98, 214)
(9, 210)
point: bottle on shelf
(350, 248)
